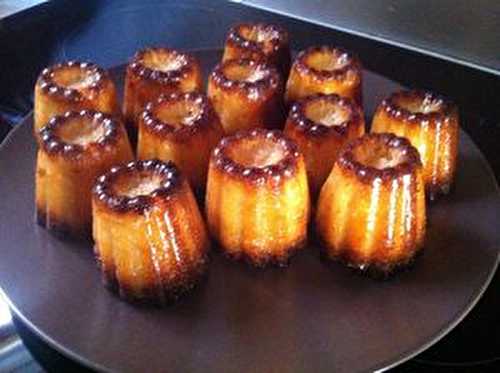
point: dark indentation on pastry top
(55, 80)
(362, 155)
(281, 167)
(301, 119)
(141, 65)
(266, 79)
(347, 62)
(417, 106)
(106, 130)
(148, 180)
(182, 114)
(258, 37)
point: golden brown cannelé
(150, 239)
(371, 211)
(74, 149)
(182, 128)
(431, 124)
(257, 200)
(246, 94)
(259, 42)
(326, 70)
(72, 86)
(321, 126)
(156, 71)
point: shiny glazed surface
(150, 239)
(431, 124)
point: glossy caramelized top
(163, 65)
(79, 132)
(327, 62)
(256, 155)
(416, 106)
(179, 112)
(320, 113)
(73, 80)
(134, 186)
(380, 155)
(249, 76)
(263, 37)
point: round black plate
(308, 317)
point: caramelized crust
(321, 125)
(72, 86)
(150, 239)
(257, 200)
(431, 124)
(382, 175)
(325, 70)
(259, 42)
(156, 71)
(73, 150)
(182, 128)
(246, 94)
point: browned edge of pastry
(285, 168)
(48, 85)
(353, 63)
(368, 174)
(299, 118)
(236, 39)
(137, 67)
(50, 141)
(61, 229)
(269, 83)
(394, 110)
(103, 189)
(377, 271)
(194, 278)
(163, 129)
(269, 261)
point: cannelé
(156, 71)
(325, 69)
(246, 94)
(182, 128)
(74, 149)
(259, 42)
(382, 177)
(150, 239)
(321, 126)
(257, 200)
(72, 86)
(431, 124)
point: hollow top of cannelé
(80, 133)
(258, 37)
(328, 63)
(162, 65)
(382, 156)
(136, 185)
(183, 114)
(416, 106)
(253, 78)
(257, 155)
(72, 80)
(322, 114)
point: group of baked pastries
(267, 145)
